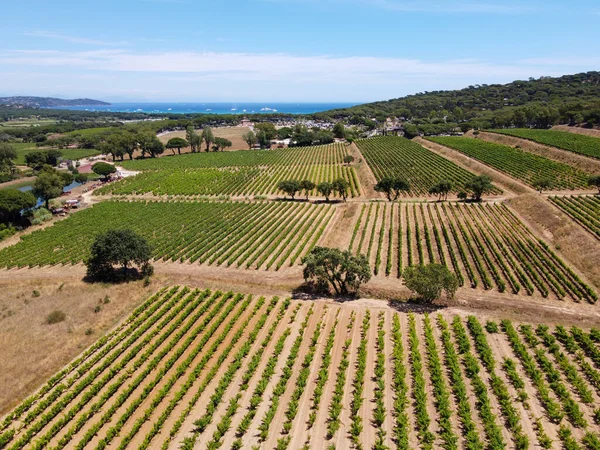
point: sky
(286, 50)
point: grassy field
(230, 234)
(196, 368)
(399, 157)
(576, 143)
(27, 123)
(520, 164)
(23, 148)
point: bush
(41, 215)
(491, 327)
(56, 317)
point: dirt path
(593, 132)
(506, 183)
(580, 162)
(365, 174)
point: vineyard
(400, 158)
(236, 182)
(486, 246)
(201, 369)
(576, 143)
(520, 164)
(229, 234)
(583, 209)
(319, 155)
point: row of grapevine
(200, 369)
(234, 234)
(576, 143)
(484, 245)
(318, 155)
(583, 209)
(398, 157)
(236, 182)
(520, 164)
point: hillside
(570, 98)
(49, 102)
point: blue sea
(214, 108)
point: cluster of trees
(293, 187)
(7, 166)
(195, 140)
(392, 187)
(37, 160)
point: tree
(307, 186)
(122, 248)
(341, 186)
(478, 186)
(250, 139)
(594, 180)
(193, 139)
(221, 144)
(12, 202)
(176, 143)
(339, 269)
(339, 131)
(48, 185)
(325, 188)
(81, 178)
(208, 137)
(290, 187)
(429, 281)
(392, 187)
(104, 169)
(441, 189)
(7, 155)
(267, 128)
(348, 159)
(35, 160)
(52, 157)
(462, 195)
(543, 184)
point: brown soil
(583, 163)
(365, 174)
(234, 134)
(563, 233)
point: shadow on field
(412, 306)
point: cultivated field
(237, 181)
(399, 157)
(577, 143)
(487, 246)
(522, 165)
(201, 369)
(228, 234)
(319, 155)
(583, 209)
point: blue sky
(286, 50)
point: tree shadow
(311, 291)
(115, 276)
(414, 306)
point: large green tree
(123, 248)
(103, 169)
(48, 185)
(12, 202)
(250, 139)
(7, 155)
(221, 144)
(290, 187)
(392, 187)
(478, 186)
(176, 144)
(208, 137)
(341, 270)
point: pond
(29, 187)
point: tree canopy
(49, 184)
(12, 202)
(176, 143)
(392, 187)
(340, 270)
(104, 169)
(290, 187)
(122, 248)
(7, 155)
(441, 189)
(478, 186)
(429, 281)
(595, 182)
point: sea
(213, 108)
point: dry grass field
(234, 134)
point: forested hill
(48, 102)
(577, 93)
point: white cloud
(213, 76)
(73, 39)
